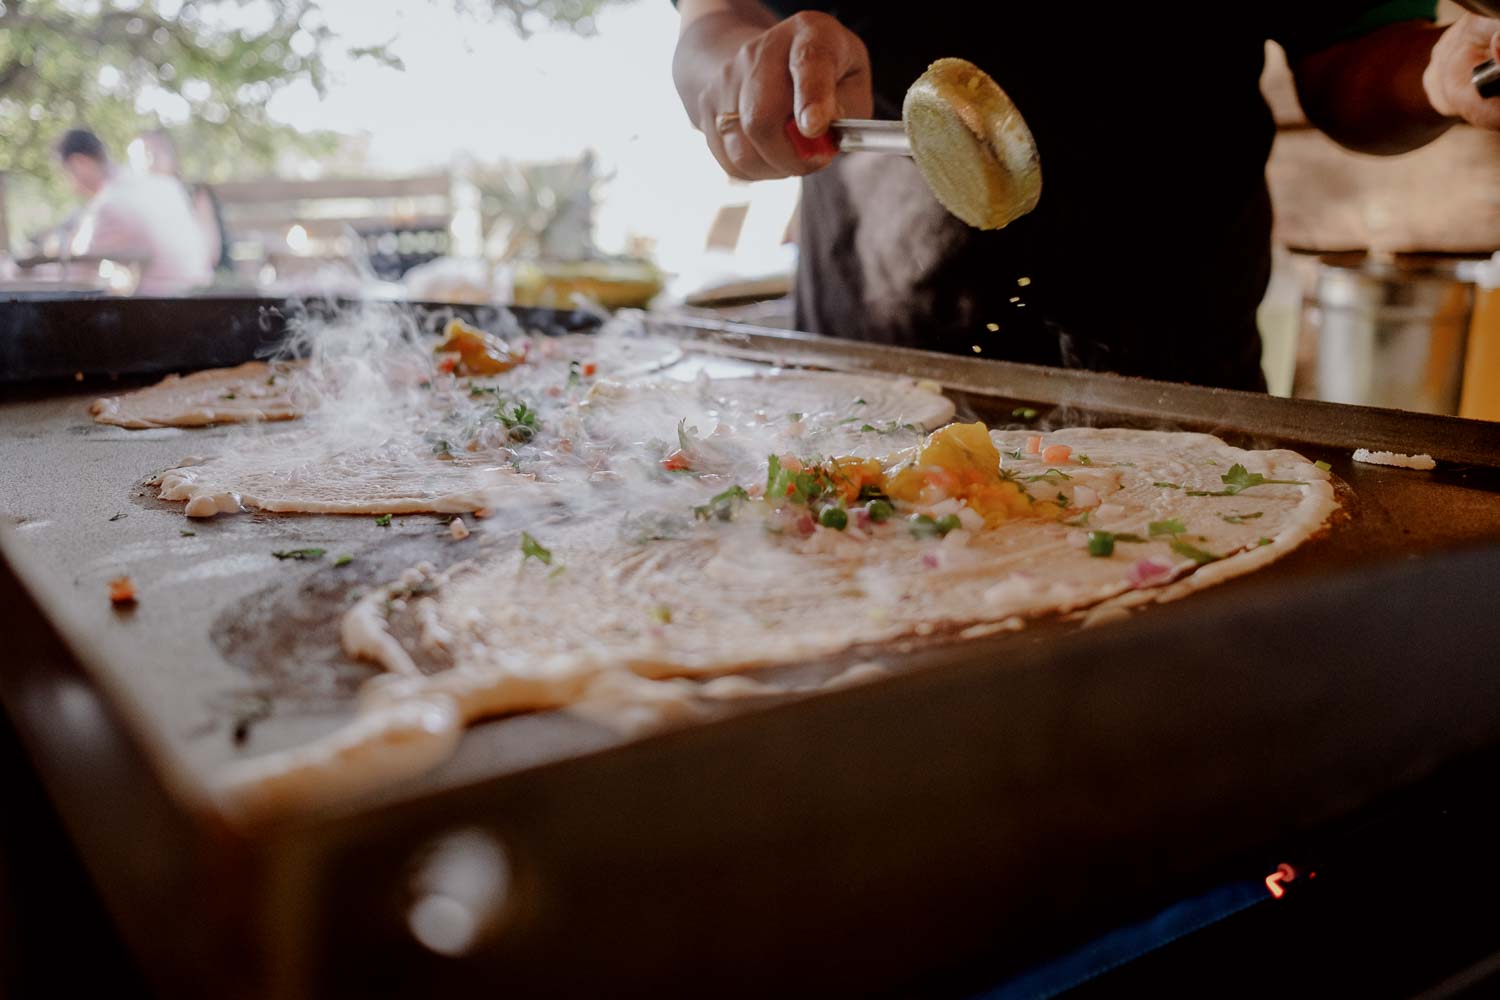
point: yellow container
(1480, 399)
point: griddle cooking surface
(231, 652)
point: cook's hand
(1466, 43)
(808, 67)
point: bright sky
(478, 88)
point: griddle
(993, 801)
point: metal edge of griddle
(1340, 425)
(146, 850)
(842, 798)
(45, 340)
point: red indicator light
(1274, 881)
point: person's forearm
(1367, 93)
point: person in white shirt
(143, 218)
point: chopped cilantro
(1323, 465)
(783, 483)
(383, 521)
(879, 510)
(859, 402)
(834, 517)
(1101, 544)
(557, 571)
(119, 517)
(300, 554)
(662, 614)
(1016, 455)
(440, 449)
(185, 533)
(1085, 460)
(794, 416)
(1023, 413)
(531, 548)
(1240, 518)
(521, 421)
(227, 395)
(1194, 553)
(1167, 486)
(722, 506)
(866, 428)
(343, 560)
(1048, 476)
(869, 491)
(1171, 526)
(575, 374)
(1264, 541)
(271, 380)
(1238, 479)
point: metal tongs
(1486, 75)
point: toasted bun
(972, 145)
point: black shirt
(1150, 249)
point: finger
(766, 107)
(822, 54)
(747, 161)
(715, 141)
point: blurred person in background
(154, 152)
(139, 218)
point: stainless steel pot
(1382, 331)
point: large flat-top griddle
(1022, 788)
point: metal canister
(1385, 331)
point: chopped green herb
(859, 402)
(185, 533)
(271, 380)
(880, 511)
(300, 554)
(1101, 544)
(1264, 541)
(557, 571)
(662, 614)
(1085, 460)
(834, 517)
(1129, 536)
(1194, 553)
(866, 428)
(1023, 413)
(1171, 526)
(1238, 479)
(889, 427)
(722, 506)
(440, 448)
(794, 417)
(1241, 518)
(1167, 486)
(782, 483)
(227, 395)
(869, 491)
(343, 560)
(1016, 455)
(1323, 465)
(1049, 475)
(521, 421)
(533, 549)
(575, 373)
(119, 517)
(383, 521)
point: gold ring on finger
(724, 121)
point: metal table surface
(635, 837)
